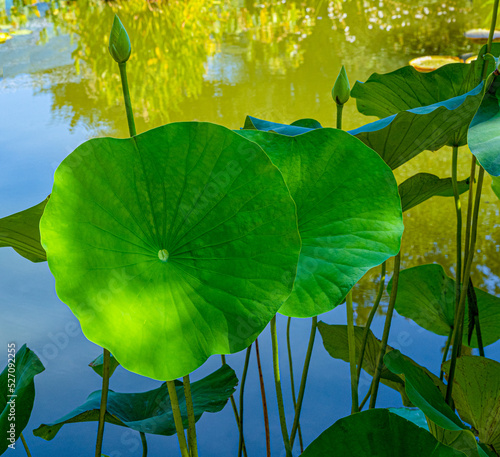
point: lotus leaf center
(163, 255)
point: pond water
(211, 61)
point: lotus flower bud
(119, 42)
(341, 91)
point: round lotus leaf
(171, 246)
(348, 207)
(377, 433)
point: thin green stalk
(367, 396)
(373, 311)
(458, 210)
(279, 392)
(126, 97)
(290, 364)
(104, 401)
(242, 391)
(235, 411)
(351, 340)
(25, 444)
(445, 354)
(302, 387)
(264, 401)
(144, 444)
(387, 328)
(459, 317)
(470, 202)
(176, 411)
(193, 445)
(339, 115)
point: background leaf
(21, 232)
(151, 411)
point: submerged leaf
(182, 239)
(476, 392)
(422, 186)
(427, 296)
(21, 232)
(151, 411)
(349, 212)
(20, 394)
(377, 433)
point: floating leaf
(377, 433)
(4, 37)
(348, 208)
(476, 392)
(151, 411)
(431, 63)
(484, 136)
(182, 239)
(21, 392)
(21, 32)
(21, 232)
(427, 296)
(422, 186)
(98, 362)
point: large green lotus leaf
(484, 136)
(402, 136)
(151, 412)
(462, 440)
(406, 88)
(20, 391)
(495, 185)
(476, 392)
(20, 231)
(348, 208)
(422, 186)
(171, 246)
(377, 433)
(335, 341)
(427, 296)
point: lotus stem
(387, 328)
(479, 336)
(144, 444)
(469, 208)
(193, 445)
(373, 311)
(339, 115)
(264, 401)
(126, 97)
(25, 444)
(279, 392)
(458, 210)
(351, 340)
(104, 401)
(302, 387)
(459, 316)
(235, 411)
(292, 380)
(176, 411)
(367, 396)
(491, 34)
(445, 354)
(242, 391)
